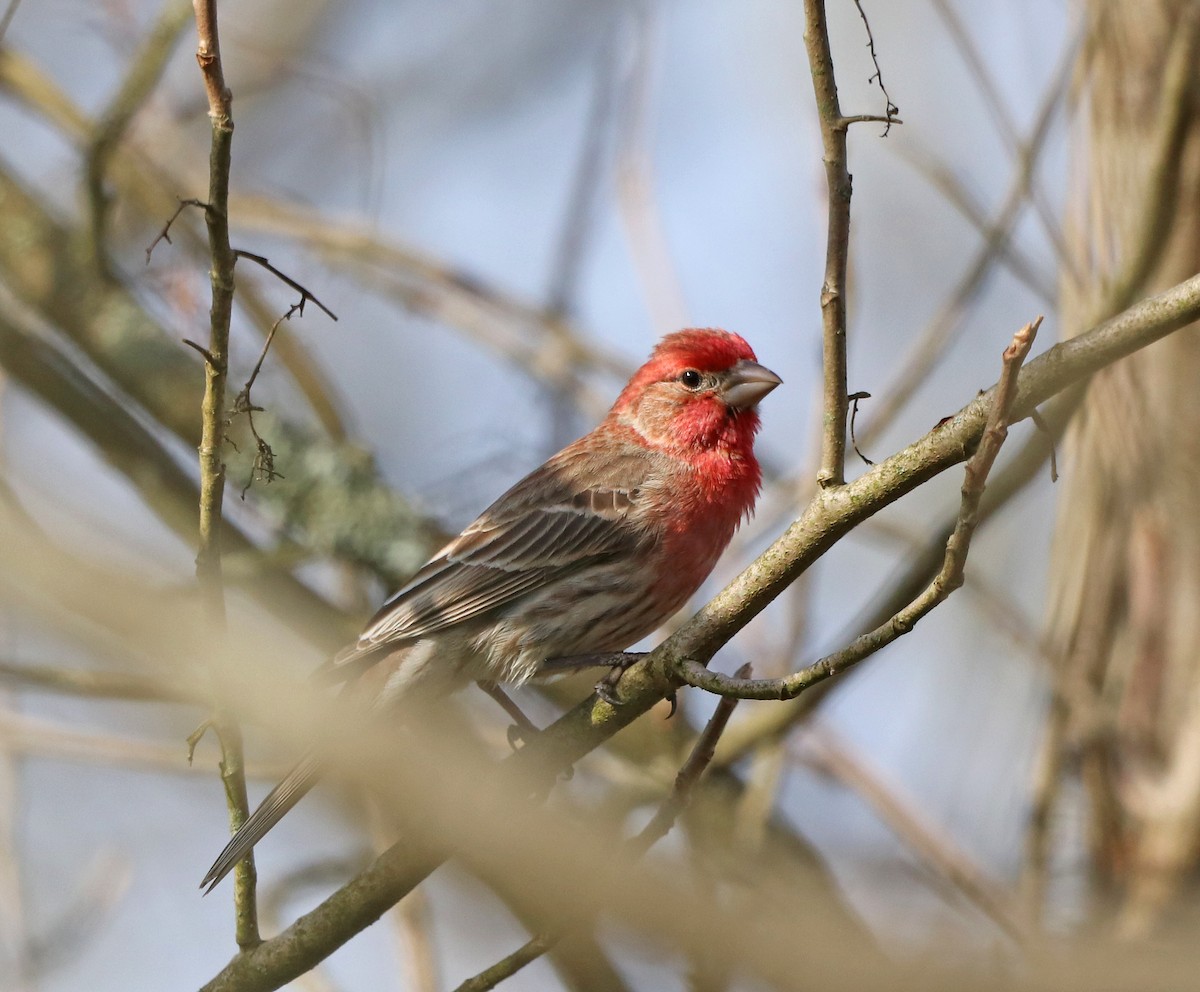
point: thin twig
(934, 339)
(854, 400)
(527, 336)
(659, 826)
(689, 775)
(165, 233)
(212, 466)
(991, 93)
(284, 278)
(834, 756)
(944, 583)
(835, 403)
(263, 466)
(892, 109)
(920, 566)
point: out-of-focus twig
(90, 904)
(834, 756)
(9, 13)
(986, 84)
(99, 684)
(145, 71)
(1160, 191)
(14, 924)
(635, 187)
(40, 738)
(965, 200)
(931, 344)
(547, 347)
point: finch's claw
(516, 737)
(524, 729)
(673, 699)
(606, 688)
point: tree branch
(835, 406)
(212, 439)
(99, 684)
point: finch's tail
(280, 799)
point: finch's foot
(522, 730)
(606, 688)
(578, 662)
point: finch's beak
(747, 383)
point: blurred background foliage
(505, 206)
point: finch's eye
(691, 378)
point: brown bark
(1125, 601)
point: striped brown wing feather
(499, 559)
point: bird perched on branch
(586, 555)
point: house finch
(586, 555)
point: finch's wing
(515, 547)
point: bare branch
(286, 279)
(835, 405)
(892, 109)
(212, 438)
(99, 684)
(263, 466)
(165, 233)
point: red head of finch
(585, 555)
